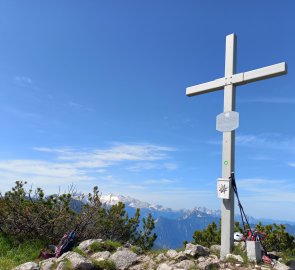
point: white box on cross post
(223, 188)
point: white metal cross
(229, 83)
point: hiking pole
(243, 215)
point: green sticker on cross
(225, 162)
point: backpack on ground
(66, 244)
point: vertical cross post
(228, 151)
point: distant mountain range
(175, 226)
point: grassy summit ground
(13, 254)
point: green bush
(277, 239)
(209, 236)
(27, 214)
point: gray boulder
(100, 256)
(237, 258)
(84, 246)
(27, 266)
(47, 264)
(124, 258)
(165, 266)
(185, 264)
(76, 261)
(281, 266)
(215, 248)
(196, 250)
(161, 258)
(207, 265)
(180, 256)
(171, 253)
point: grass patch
(67, 265)
(137, 250)
(156, 252)
(13, 254)
(104, 265)
(110, 246)
(79, 251)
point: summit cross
(229, 83)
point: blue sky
(93, 93)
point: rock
(213, 257)
(100, 256)
(171, 253)
(127, 245)
(164, 266)
(196, 250)
(207, 265)
(124, 258)
(185, 264)
(161, 257)
(76, 260)
(144, 259)
(281, 266)
(237, 258)
(201, 259)
(215, 248)
(84, 246)
(47, 264)
(238, 265)
(27, 266)
(145, 262)
(180, 256)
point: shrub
(32, 215)
(209, 236)
(277, 239)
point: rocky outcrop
(123, 259)
(48, 264)
(196, 250)
(193, 257)
(237, 258)
(100, 256)
(85, 245)
(27, 266)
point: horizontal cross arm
(238, 79)
(205, 87)
(260, 74)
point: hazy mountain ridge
(175, 226)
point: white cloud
(271, 190)
(71, 165)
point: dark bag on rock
(66, 244)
